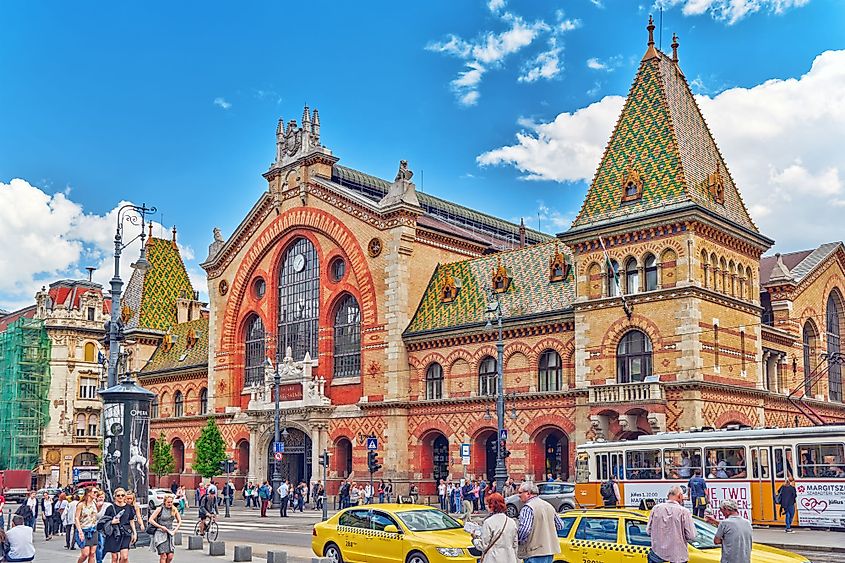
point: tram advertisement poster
(821, 504)
(717, 491)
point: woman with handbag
(163, 524)
(120, 528)
(85, 521)
(497, 540)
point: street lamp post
(277, 473)
(494, 310)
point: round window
(338, 269)
(259, 287)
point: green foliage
(162, 463)
(209, 451)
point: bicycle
(211, 528)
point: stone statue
(404, 174)
(216, 244)
(218, 236)
(402, 190)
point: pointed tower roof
(663, 144)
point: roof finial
(151, 229)
(650, 29)
(174, 233)
(675, 47)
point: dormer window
(451, 288)
(558, 268)
(716, 185)
(501, 278)
(632, 182)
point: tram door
(769, 465)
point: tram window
(779, 462)
(679, 464)
(582, 468)
(643, 464)
(821, 461)
(607, 464)
(760, 463)
(726, 463)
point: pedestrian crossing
(271, 523)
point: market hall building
(369, 299)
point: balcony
(92, 440)
(626, 393)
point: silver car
(560, 495)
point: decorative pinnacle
(174, 233)
(280, 128)
(151, 229)
(675, 47)
(650, 29)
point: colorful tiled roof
(151, 296)
(530, 291)
(662, 131)
(182, 354)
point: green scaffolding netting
(24, 384)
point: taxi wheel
(332, 552)
(417, 557)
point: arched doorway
(556, 456)
(296, 460)
(440, 458)
(491, 451)
(343, 458)
(85, 459)
(178, 456)
(243, 457)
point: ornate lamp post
(494, 312)
(277, 473)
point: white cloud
(222, 103)
(545, 65)
(731, 11)
(782, 140)
(47, 237)
(609, 65)
(495, 6)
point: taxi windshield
(704, 534)
(427, 520)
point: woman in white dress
(497, 540)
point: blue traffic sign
(372, 443)
(278, 447)
(504, 434)
(464, 450)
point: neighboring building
(370, 299)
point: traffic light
(228, 466)
(505, 451)
(372, 461)
(324, 458)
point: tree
(209, 450)
(162, 463)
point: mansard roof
(530, 292)
(663, 136)
(181, 354)
(151, 296)
(795, 265)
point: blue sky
(176, 104)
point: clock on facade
(298, 263)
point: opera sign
(821, 504)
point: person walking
(174, 486)
(538, 526)
(46, 509)
(787, 497)
(167, 521)
(197, 494)
(441, 494)
(20, 541)
(388, 491)
(28, 510)
(354, 494)
(284, 491)
(368, 494)
(497, 539)
(85, 522)
(670, 526)
(381, 487)
(414, 493)
(68, 519)
(119, 527)
(264, 494)
(102, 505)
(734, 534)
(698, 493)
(610, 492)
(466, 499)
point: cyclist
(207, 509)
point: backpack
(607, 491)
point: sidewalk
(816, 540)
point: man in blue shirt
(698, 493)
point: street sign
(465, 452)
(465, 460)
(372, 443)
(504, 435)
(278, 447)
(278, 456)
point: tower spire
(675, 48)
(315, 126)
(651, 52)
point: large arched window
(550, 372)
(811, 345)
(650, 272)
(178, 404)
(434, 382)
(487, 376)
(203, 400)
(347, 338)
(613, 279)
(633, 357)
(833, 317)
(632, 277)
(299, 301)
(254, 352)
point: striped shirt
(526, 523)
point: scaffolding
(24, 385)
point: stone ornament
(374, 247)
(223, 287)
(716, 185)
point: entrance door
(490, 447)
(761, 484)
(440, 459)
(296, 460)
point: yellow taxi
(393, 533)
(619, 536)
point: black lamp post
(494, 311)
(277, 472)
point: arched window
(550, 372)
(93, 425)
(178, 404)
(833, 317)
(80, 424)
(487, 376)
(203, 400)
(633, 357)
(650, 272)
(347, 338)
(90, 352)
(299, 301)
(613, 279)
(434, 382)
(254, 352)
(632, 277)
(811, 345)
